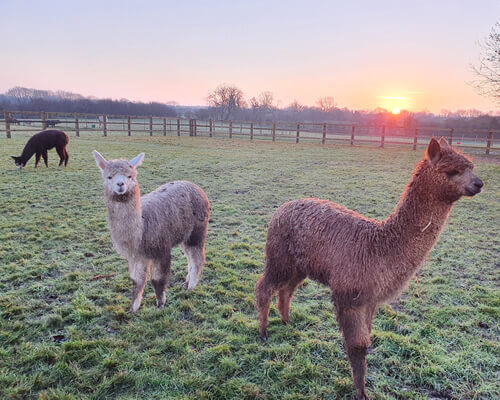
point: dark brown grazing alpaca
(39, 143)
(364, 262)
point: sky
(365, 54)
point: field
(65, 336)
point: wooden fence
(487, 140)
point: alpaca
(145, 229)
(39, 143)
(365, 262)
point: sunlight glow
(396, 110)
(392, 97)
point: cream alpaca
(145, 229)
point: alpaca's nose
(120, 183)
(478, 183)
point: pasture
(65, 336)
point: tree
(488, 69)
(326, 104)
(263, 107)
(226, 101)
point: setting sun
(396, 110)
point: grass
(63, 336)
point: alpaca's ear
(444, 143)
(433, 152)
(100, 160)
(136, 161)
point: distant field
(63, 336)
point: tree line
(26, 99)
(227, 102)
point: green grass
(63, 336)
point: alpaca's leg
(45, 158)
(285, 296)
(196, 260)
(356, 332)
(37, 159)
(138, 274)
(369, 316)
(159, 279)
(60, 152)
(66, 157)
(264, 291)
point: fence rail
(294, 132)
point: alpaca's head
(450, 171)
(19, 162)
(120, 176)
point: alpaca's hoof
(263, 337)
(362, 396)
(161, 303)
(285, 321)
(185, 284)
(135, 306)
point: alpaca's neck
(27, 154)
(125, 221)
(409, 234)
(418, 213)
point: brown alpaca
(365, 262)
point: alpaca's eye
(453, 173)
(130, 177)
(110, 177)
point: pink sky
(364, 54)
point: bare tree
(488, 69)
(296, 106)
(226, 101)
(326, 104)
(263, 107)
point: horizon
(366, 56)
(394, 110)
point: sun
(396, 110)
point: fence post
(251, 130)
(210, 128)
(195, 128)
(352, 135)
(415, 138)
(164, 127)
(77, 125)
(7, 123)
(44, 120)
(178, 127)
(451, 136)
(298, 133)
(274, 131)
(323, 140)
(230, 129)
(382, 137)
(129, 130)
(150, 126)
(105, 125)
(488, 144)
